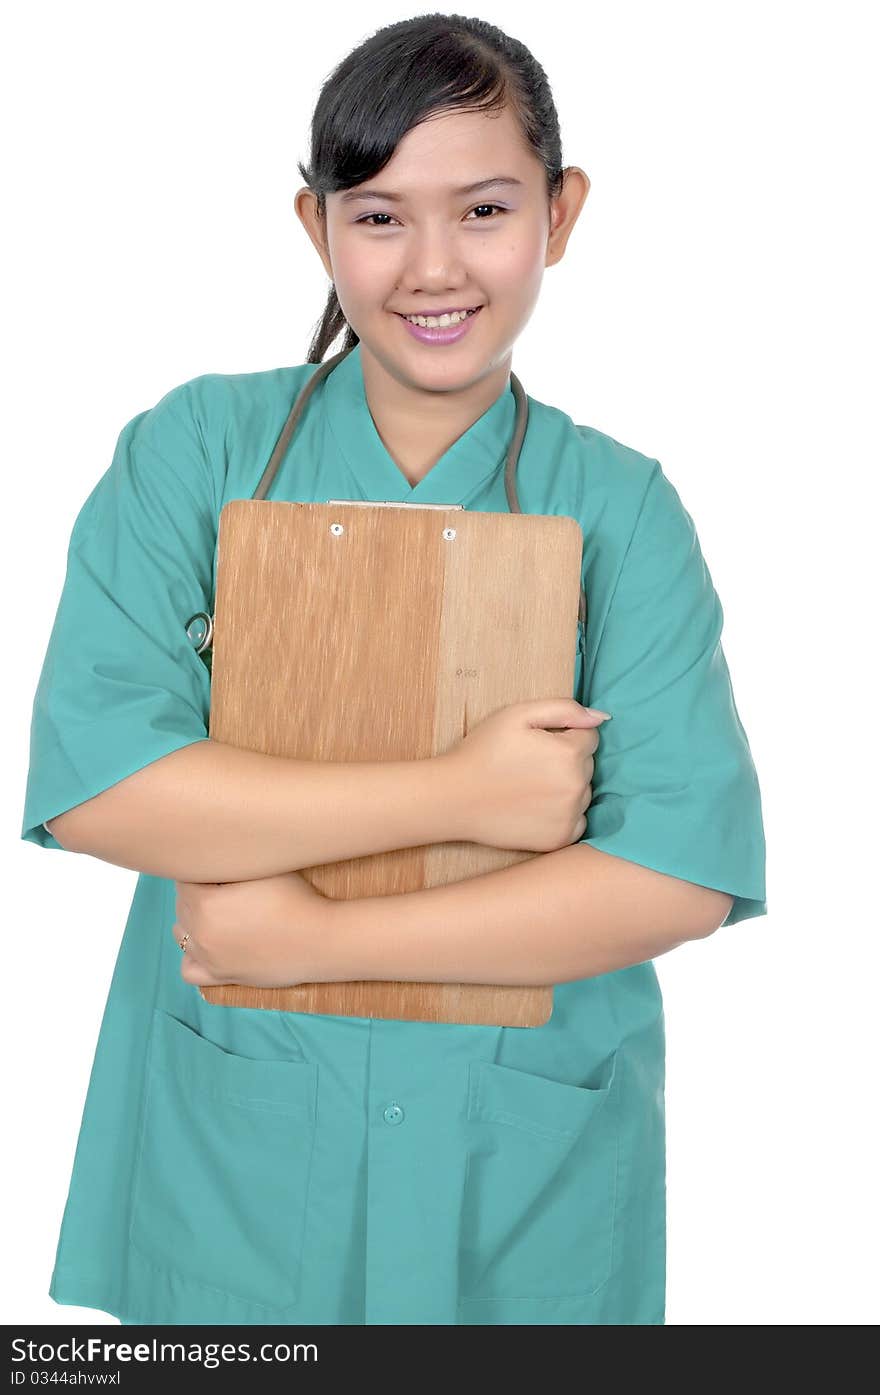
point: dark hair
(393, 81)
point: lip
(442, 334)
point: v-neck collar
(456, 476)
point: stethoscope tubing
(286, 435)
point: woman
(301, 1168)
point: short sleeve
(674, 784)
(121, 683)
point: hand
(266, 933)
(522, 784)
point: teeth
(437, 322)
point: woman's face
(438, 246)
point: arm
(211, 812)
(562, 915)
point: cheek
(511, 263)
(361, 267)
(525, 260)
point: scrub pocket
(224, 1161)
(540, 1184)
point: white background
(724, 271)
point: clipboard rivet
(336, 529)
(449, 534)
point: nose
(433, 261)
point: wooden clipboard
(351, 631)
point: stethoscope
(200, 627)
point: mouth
(436, 314)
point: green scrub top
(240, 1165)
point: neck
(418, 425)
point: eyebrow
(356, 195)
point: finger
(588, 740)
(191, 971)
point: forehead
(453, 149)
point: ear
(306, 205)
(565, 209)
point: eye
(368, 216)
(488, 205)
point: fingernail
(597, 712)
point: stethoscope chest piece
(200, 630)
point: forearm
(211, 812)
(558, 916)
